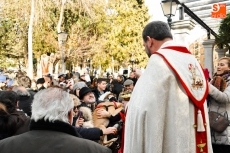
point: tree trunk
(30, 40)
(61, 16)
(60, 43)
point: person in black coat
(51, 130)
(12, 120)
(25, 99)
(118, 85)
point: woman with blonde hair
(219, 101)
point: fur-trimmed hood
(87, 115)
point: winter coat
(56, 137)
(220, 102)
(24, 127)
(90, 133)
(25, 102)
(19, 123)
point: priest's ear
(150, 41)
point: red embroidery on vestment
(197, 80)
(201, 136)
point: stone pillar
(221, 52)
(208, 55)
(181, 31)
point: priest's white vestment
(161, 118)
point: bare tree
(30, 41)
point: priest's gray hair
(158, 30)
(52, 104)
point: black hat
(40, 81)
(61, 75)
(83, 92)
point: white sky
(156, 13)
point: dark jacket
(117, 88)
(24, 127)
(97, 94)
(18, 124)
(57, 137)
(90, 133)
(25, 102)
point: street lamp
(132, 60)
(62, 37)
(169, 9)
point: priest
(167, 112)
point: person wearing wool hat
(128, 85)
(82, 122)
(86, 95)
(87, 98)
(40, 83)
(77, 86)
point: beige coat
(220, 102)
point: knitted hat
(79, 85)
(40, 81)
(128, 82)
(83, 92)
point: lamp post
(169, 9)
(62, 37)
(132, 60)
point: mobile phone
(80, 114)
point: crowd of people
(164, 110)
(62, 105)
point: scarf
(220, 80)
